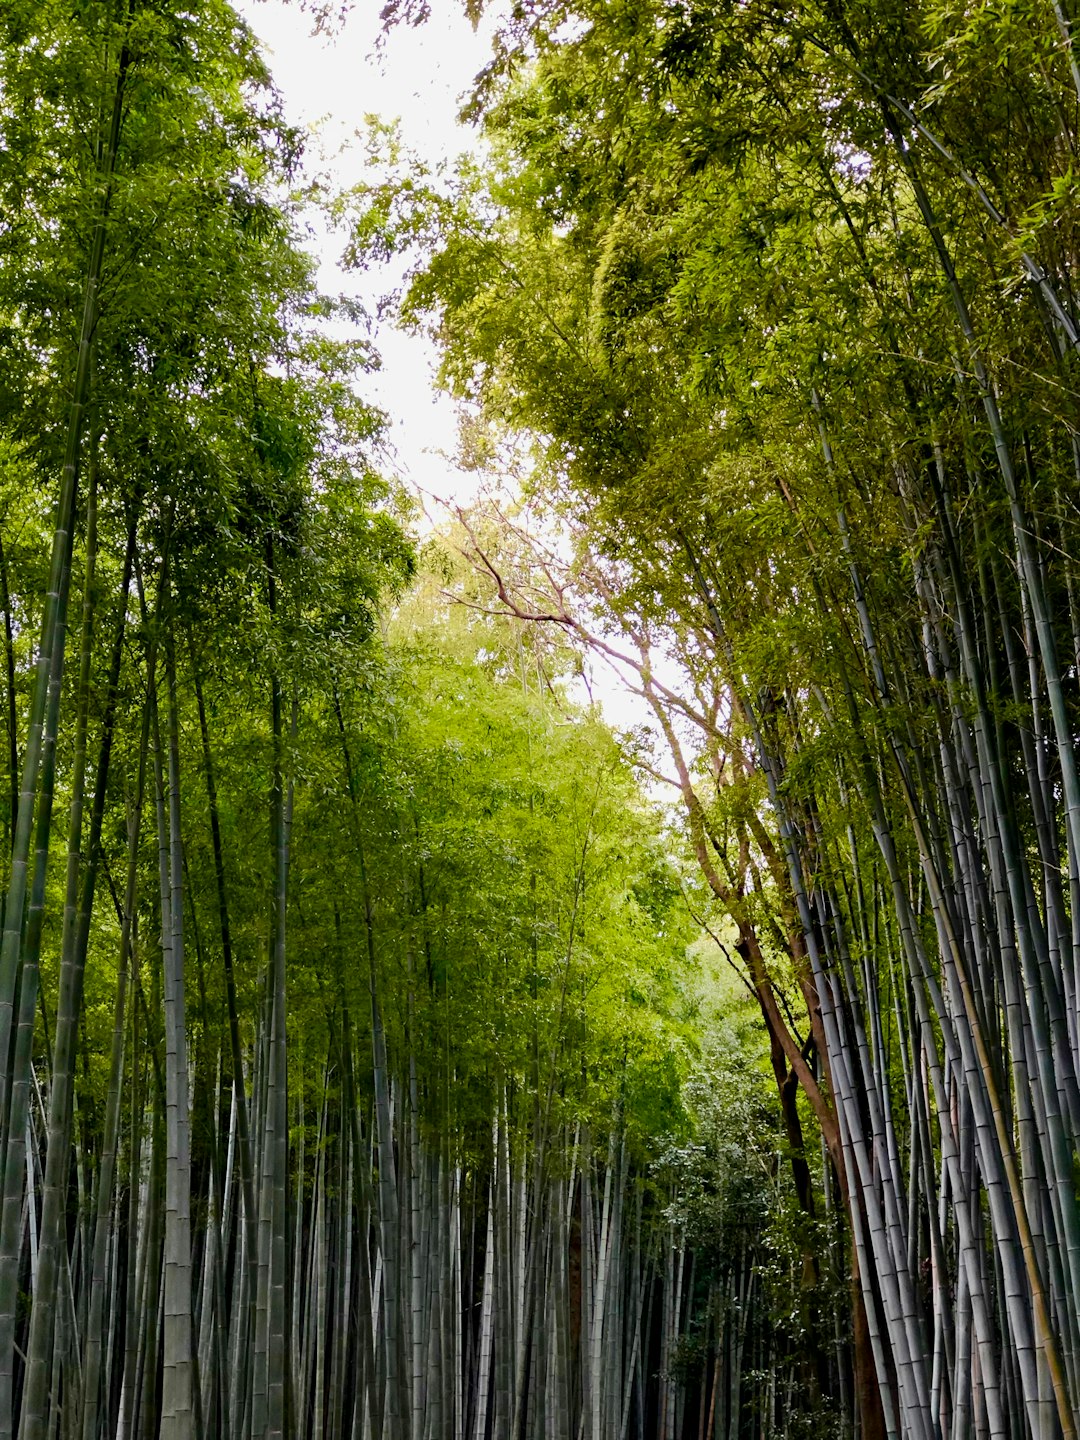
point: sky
(417, 76)
(329, 85)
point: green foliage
(778, 299)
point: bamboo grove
(347, 1008)
(773, 306)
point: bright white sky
(329, 84)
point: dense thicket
(344, 1005)
(779, 302)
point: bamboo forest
(590, 949)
